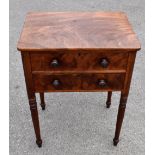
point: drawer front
(78, 82)
(103, 81)
(60, 61)
(58, 82)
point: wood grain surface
(78, 82)
(46, 31)
(78, 61)
(77, 52)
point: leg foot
(115, 141)
(39, 143)
(43, 106)
(108, 103)
(42, 101)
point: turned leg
(42, 101)
(108, 103)
(124, 96)
(35, 120)
(31, 96)
(120, 116)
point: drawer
(103, 81)
(77, 61)
(78, 82)
(57, 82)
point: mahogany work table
(77, 52)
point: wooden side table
(77, 51)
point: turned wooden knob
(102, 83)
(56, 83)
(104, 63)
(54, 63)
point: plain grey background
(76, 123)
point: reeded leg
(35, 119)
(42, 101)
(108, 103)
(120, 116)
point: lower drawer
(78, 82)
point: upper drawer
(60, 61)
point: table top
(46, 31)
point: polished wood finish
(77, 52)
(72, 61)
(124, 96)
(31, 96)
(112, 82)
(77, 82)
(48, 31)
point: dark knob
(56, 83)
(54, 63)
(102, 83)
(104, 63)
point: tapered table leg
(120, 116)
(42, 101)
(31, 96)
(35, 120)
(108, 102)
(124, 96)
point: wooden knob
(56, 83)
(102, 83)
(104, 63)
(54, 63)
